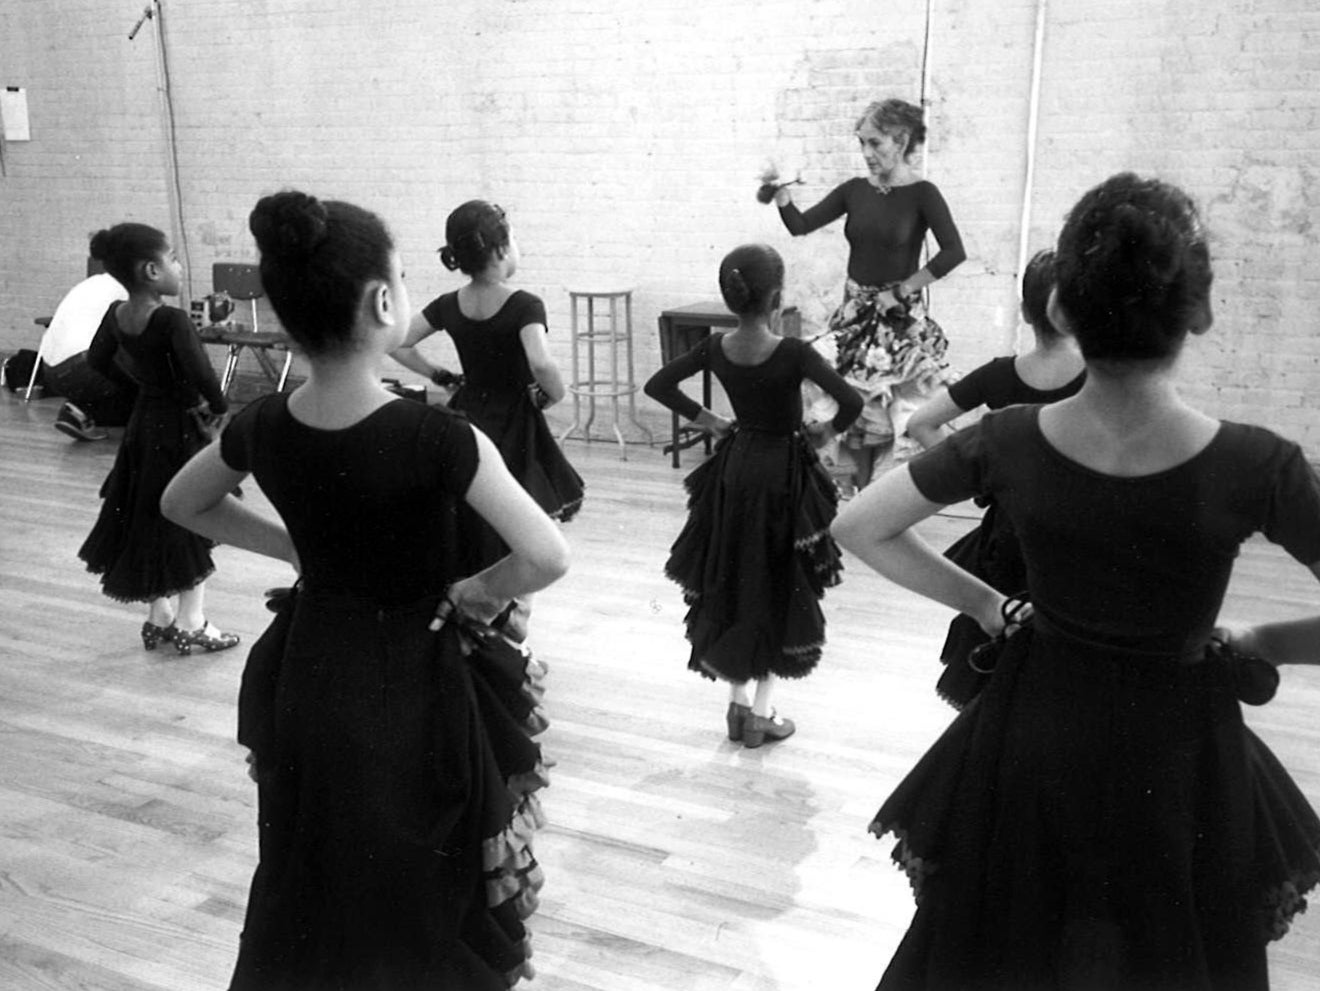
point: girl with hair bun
(140, 555)
(755, 556)
(509, 375)
(886, 346)
(390, 727)
(1050, 371)
(1101, 817)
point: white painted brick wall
(624, 137)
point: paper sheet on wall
(14, 113)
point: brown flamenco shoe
(758, 729)
(208, 638)
(736, 717)
(153, 634)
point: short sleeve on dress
(528, 309)
(979, 386)
(446, 444)
(237, 447)
(434, 311)
(954, 469)
(1293, 513)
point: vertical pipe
(925, 117)
(174, 186)
(925, 85)
(1029, 178)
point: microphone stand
(154, 11)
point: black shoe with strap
(208, 638)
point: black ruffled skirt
(397, 781)
(1095, 820)
(138, 553)
(992, 553)
(524, 440)
(755, 557)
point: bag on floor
(18, 369)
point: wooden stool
(610, 374)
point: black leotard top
(885, 230)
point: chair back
(241, 280)
(238, 281)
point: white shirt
(79, 314)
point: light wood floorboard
(675, 860)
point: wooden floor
(675, 860)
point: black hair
(1037, 281)
(750, 275)
(316, 260)
(474, 232)
(121, 248)
(895, 115)
(1133, 269)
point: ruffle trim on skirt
(946, 801)
(916, 867)
(510, 868)
(735, 632)
(513, 878)
(1288, 840)
(165, 591)
(139, 560)
(567, 511)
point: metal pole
(154, 10)
(1029, 179)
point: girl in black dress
(1100, 816)
(755, 556)
(395, 771)
(509, 376)
(1050, 371)
(139, 554)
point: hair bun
(737, 293)
(750, 277)
(448, 259)
(1152, 245)
(1133, 269)
(99, 248)
(289, 225)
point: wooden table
(236, 337)
(683, 328)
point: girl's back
(165, 356)
(342, 494)
(490, 349)
(1140, 560)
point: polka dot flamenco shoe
(153, 634)
(208, 638)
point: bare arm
(538, 553)
(926, 426)
(198, 498)
(1292, 641)
(877, 527)
(543, 366)
(407, 354)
